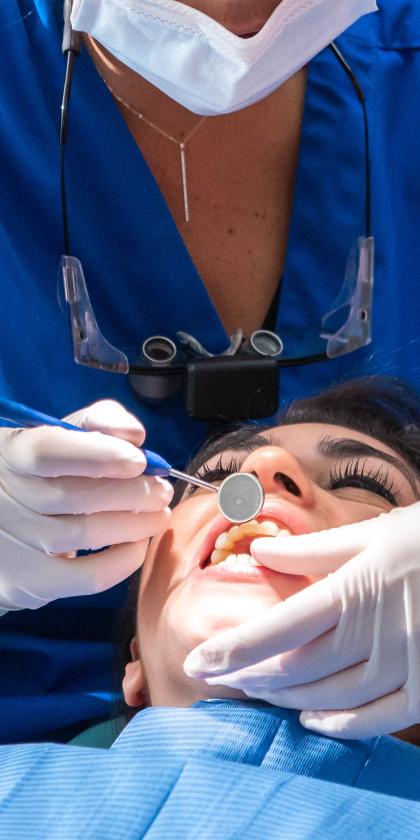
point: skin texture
(239, 16)
(241, 173)
(181, 605)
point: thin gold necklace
(181, 145)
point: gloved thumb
(110, 418)
(318, 553)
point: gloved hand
(353, 638)
(61, 491)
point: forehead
(309, 435)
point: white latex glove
(353, 638)
(61, 491)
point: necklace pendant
(183, 163)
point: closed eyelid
(351, 448)
(211, 474)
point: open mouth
(231, 547)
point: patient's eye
(217, 472)
(358, 473)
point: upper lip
(286, 515)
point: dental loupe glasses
(242, 382)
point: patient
(347, 455)
(235, 767)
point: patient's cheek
(158, 570)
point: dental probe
(240, 496)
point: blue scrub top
(54, 662)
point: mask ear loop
(71, 46)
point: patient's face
(315, 476)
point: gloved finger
(316, 553)
(344, 690)
(84, 533)
(71, 494)
(110, 418)
(66, 533)
(382, 717)
(81, 576)
(53, 452)
(313, 661)
(98, 572)
(288, 625)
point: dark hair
(384, 408)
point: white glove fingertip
(203, 662)
(120, 458)
(334, 724)
(110, 418)
(295, 555)
(100, 571)
(165, 490)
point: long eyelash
(219, 471)
(372, 478)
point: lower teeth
(238, 561)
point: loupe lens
(159, 349)
(266, 343)
(240, 497)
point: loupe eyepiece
(159, 350)
(159, 381)
(266, 343)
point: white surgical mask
(199, 63)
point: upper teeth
(226, 541)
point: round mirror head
(240, 497)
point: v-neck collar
(327, 211)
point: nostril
(288, 483)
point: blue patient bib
(220, 769)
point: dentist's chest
(239, 182)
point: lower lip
(254, 574)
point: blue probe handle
(28, 417)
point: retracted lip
(284, 514)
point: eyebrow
(329, 447)
(350, 447)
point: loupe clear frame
(354, 304)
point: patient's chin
(223, 692)
(202, 691)
(211, 617)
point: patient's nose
(280, 473)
